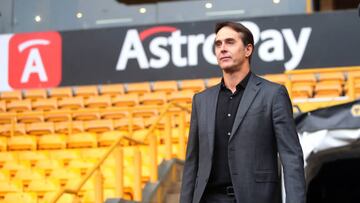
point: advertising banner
(173, 51)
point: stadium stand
(71, 146)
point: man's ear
(248, 50)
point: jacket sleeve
(289, 147)
(191, 160)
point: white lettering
(297, 49)
(193, 43)
(34, 64)
(273, 48)
(132, 49)
(156, 48)
(176, 40)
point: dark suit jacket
(263, 128)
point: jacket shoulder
(269, 85)
(208, 91)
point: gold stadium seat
(153, 98)
(145, 113)
(125, 100)
(89, 196)
(160, 124)
(26, 176)
(43, 186)
(17, 129)
(64, 156)
(86, 91)
(112, 89)
(40, 128)
(22, 142)
(57, 116)
(14, 166)
(60, 92)
(19, 197)
(52, 141)
(35, 94)
(19, 106)
(69, 127)
(45, 104)
(302, 91)
(48, 197)
(82, 165)
(328, 89)
(32, 157)
(355, 76)
(109, 182)
(4, 175)
(103, 101)
(213, 81)
(333, 77)
(74, 182)
(114, 114)
(11, 96)
(195, 85)
(7, 157)
(2, 106)
(165, 86)
(98, 126)
(5, 118)
(138, 88)
(92, 154)
(82, 140)
(71, 103)
(3, 143)
(30, 117)
(7, 187)
(139, 134)
(47, 166)
(303, 79)
(108, 138)
(181, 96)
(123, 124)
(85, 115)
(277, 78)
(63, 175)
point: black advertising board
(185, 50)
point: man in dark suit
(238, 128)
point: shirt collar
(242, 84)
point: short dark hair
(246, 35)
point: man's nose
(223, 48)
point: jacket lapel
(249, 94)
(211, 102)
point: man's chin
(228, 69)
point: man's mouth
(225, 58)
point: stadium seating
(50, 139)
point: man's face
(230, 51)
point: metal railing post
(138, 174)
(168, 137)
(119, 171)
(99, 190)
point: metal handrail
(152, 142)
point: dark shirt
(226, 109)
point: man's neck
(232, 79)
